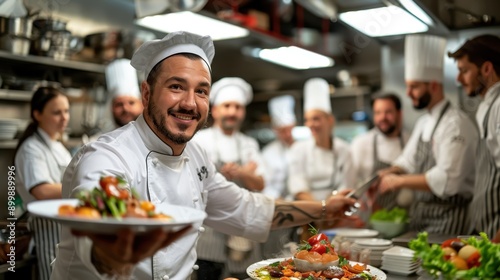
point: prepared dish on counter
(315, 259)
(111, 199)
(456, 258)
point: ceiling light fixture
(194, 23)
(415, 9)
(294, 57)
(384, 21)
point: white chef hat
(424, 58)
(121, 79)
(282, 110)
(231, 89)
(154, 51)
(317, 95)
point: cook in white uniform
(478, 62)
(40, 161)
(155, 156)
(277, 153)
(438, 161)
(322, 164)
(123, 86)
(379, 147)
(276, 157)
(238, 158)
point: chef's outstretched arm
(297, 213)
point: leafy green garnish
(274, 264)
(435, 264)
(304, 245)
(310, 277)
(343, 261)
(312, 230)
(396, 215)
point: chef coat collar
(490, 96)
(151, 140)
(45, 137)
(436, 110)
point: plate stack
(399, 260)
(377, 247)
(8, 129)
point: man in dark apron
(478, 62)
(384, 142)
(438, 161)
(238, 158)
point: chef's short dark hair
(479, 50)
(387, 96)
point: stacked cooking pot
(15, 34)
(52, 39)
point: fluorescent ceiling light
(413, 8)
(384, 21)
(294, 57)
(194, 23)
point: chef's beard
(227, 126)
(159, 122)
(119, 120)
(423, 101)
(390, 129)
(480, 87)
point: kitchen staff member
(276, 157)
(478, 62)
(276, 154)
(379, 147)
(238, 158)
(438, 161)
(40, 161)
(123, 85)
(322, 164)
(154, 155)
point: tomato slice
(317, 238)
(108, 180)
(473, 260)
(447, 243)
(318, 248)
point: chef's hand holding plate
(117, 254)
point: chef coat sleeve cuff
(437, 180)
(265, 205)
(401, 162)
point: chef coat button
(155, 161)
(165, 277)
(201, 229)
(195, 267)
(195, 199)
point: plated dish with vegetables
(110, 207)
(315, 259)
(458, 258)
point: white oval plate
(373, 242)
(252, 268)
(352, 232)
(182, 216)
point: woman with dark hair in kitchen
(40, 160)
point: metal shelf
(8, 144)
(76, 65)
(15, 95)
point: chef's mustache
(185, 112)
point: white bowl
(303, 265)
(388, 229)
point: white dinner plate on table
(181, 217)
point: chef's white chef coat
(493, 138)
(276, 157)
(388, 149)
(190, 179)
(454, 147)
(230, 148)
(312, 168)
(39, 160)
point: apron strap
(486, 117)
(446, 107)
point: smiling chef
(155, 156)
